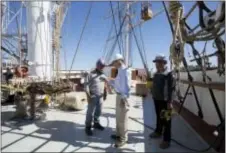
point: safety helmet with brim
(160, 58)
(118, 57)
(100, 63)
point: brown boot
(120, 143)
(164, 145)
(115, 137)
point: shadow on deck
(64, 132)
(182, 133)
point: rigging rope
(108, 56)
(177, 48)
(220, 45)
(168, 17)
(211, 30)
(203, 7)
(115, 27)
(143, 47)
(208, 32)
(120, 22)
(176, 11)
(66, 33)
(205, 77)
(104, 51)
(83, 29)
(139, 49)
(20, 41)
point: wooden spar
(212, 85)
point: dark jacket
(163, 87)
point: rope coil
(175, 13)
(174, 8)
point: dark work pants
(161, 124)
(94, 110)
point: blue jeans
(94, 109)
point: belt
(118, 93)
(91, 94)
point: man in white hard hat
(121, 85)
(95, 90)
(162, 93)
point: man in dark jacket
(162, 92)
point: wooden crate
(141, 89)
(134, 74)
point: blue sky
(156, 33)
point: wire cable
(108, 56)
(83, 29)
(113, 16)
(104, 51)
(139, 49)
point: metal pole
(128, 34)
(4, 16)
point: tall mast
(4, 16)
(39, 38)
(126, 32)
(127, 35)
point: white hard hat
(117, 57)
(160, 57)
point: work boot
(119, 143)
(164, 145)
(89, 132)
(98, 126)
(155, 135)
(115, 137)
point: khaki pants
(121, 119)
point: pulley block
(146, 12)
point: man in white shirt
(121, 85)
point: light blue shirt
(122, 82)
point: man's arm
(105, 91)
(86, 84)
(110, 82)
(171, 86)
(128, 83)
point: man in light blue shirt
(121, 85)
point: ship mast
(127, 35)
(4, 16)
(39, 39)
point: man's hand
(105, 94)
(88, 97)
(125, 103)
